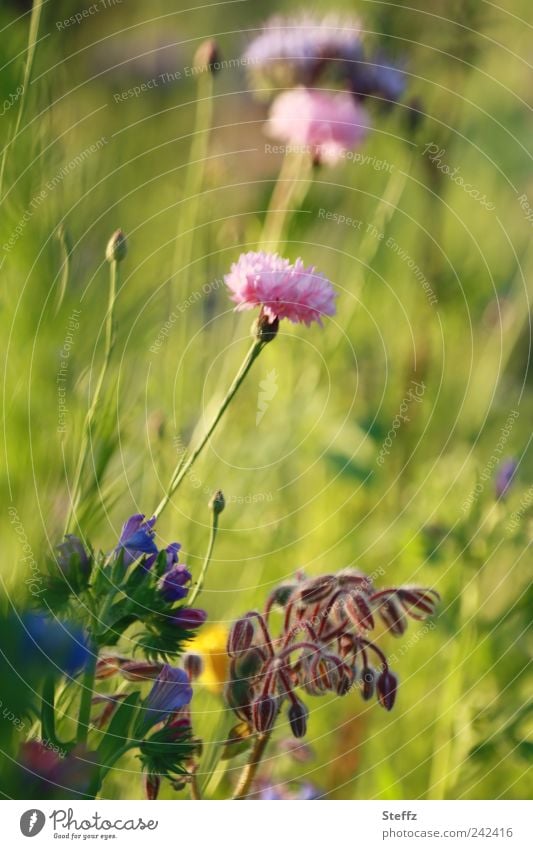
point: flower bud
(240, 636)
(298, 714)
(141, 670)
(218, 502)
(189, 618)
(264, 713)
(391, 613)
(152, 783)
(193, 665)
(358, 611)
(316, 589)
(386, 687)
(264, 330)
(368, 683)
(418, 603)
(117, 247)
(207, 57)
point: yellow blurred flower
(211, 645)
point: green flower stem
(182, 469)
(249, 772)
(33, 38)
(201, 578)
(84, 715)
(294, 179)
(89, 418)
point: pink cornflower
(329, 124)
(282, 289)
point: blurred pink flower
(282, 289)
(329, 124)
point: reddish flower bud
(189, 618)
(316, 589)
(418, 603)
(152, 783)
(141, 670)
(345, 680)
(117, 247)
(368, 683)
(358, 611)
(386, 687)
(193, 665)
(391, 613)
(298, 714)
(264, 713)
(240, 636)
(107, 666)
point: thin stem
(200, 583)
(182, 469)
(33, 36)
(250, 770)
(291, 187)
(195, 789)
(84, 715)
(89, 418)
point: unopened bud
(264, 713)
(207, 57)
(117, 247)
(368, 683)
(218, 502)
(193, 665)
(263, 329)
(298, 714)
(240, 636)
(152, 783)
(386, 687)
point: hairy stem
(182, 469)
(201, 578)
(249, 772)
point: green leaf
(119, 729)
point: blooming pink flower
(327, 123)
(282, 289)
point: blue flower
(172, 584)
(137, 538)
(171, 692)
(63, 644)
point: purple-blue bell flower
(171, 692)
(173, 583)
(137, 538)
(504, 477)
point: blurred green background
(303, 486)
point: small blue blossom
(171, 692)
(173, 583)
(504, 477)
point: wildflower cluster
(310, 57)
(324, 646)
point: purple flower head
(171, 692)
(298, 49)
(189, 618)
(137, 538)
(71, 553)
(172, 584)
(505, 476)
